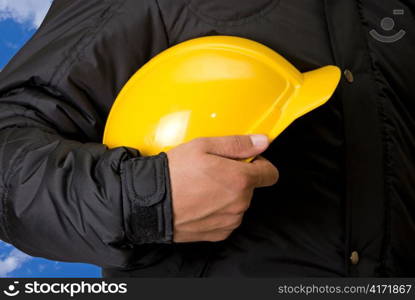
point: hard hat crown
(213, 86)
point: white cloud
(30, 12)
(13, 261)
(11, 45)
(41, 268)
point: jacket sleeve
(63, 194)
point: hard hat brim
(317, 88)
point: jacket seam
(168, 203)
(386, 148)
(346, 227)
(235, 22)
(44, 129)
(166, 32)
(83, 42)
(124, 195)
(5, 201)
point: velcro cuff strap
(147, 199)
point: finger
(262, 172)
(236, 146)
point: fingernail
(259, 140)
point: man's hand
(211, 189)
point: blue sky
(18, 21)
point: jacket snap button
(354, 258)
(349, 75)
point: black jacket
(347, 169)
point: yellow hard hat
(213, 86)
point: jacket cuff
(147, 203)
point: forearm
(72, 201)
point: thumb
(236, 146)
